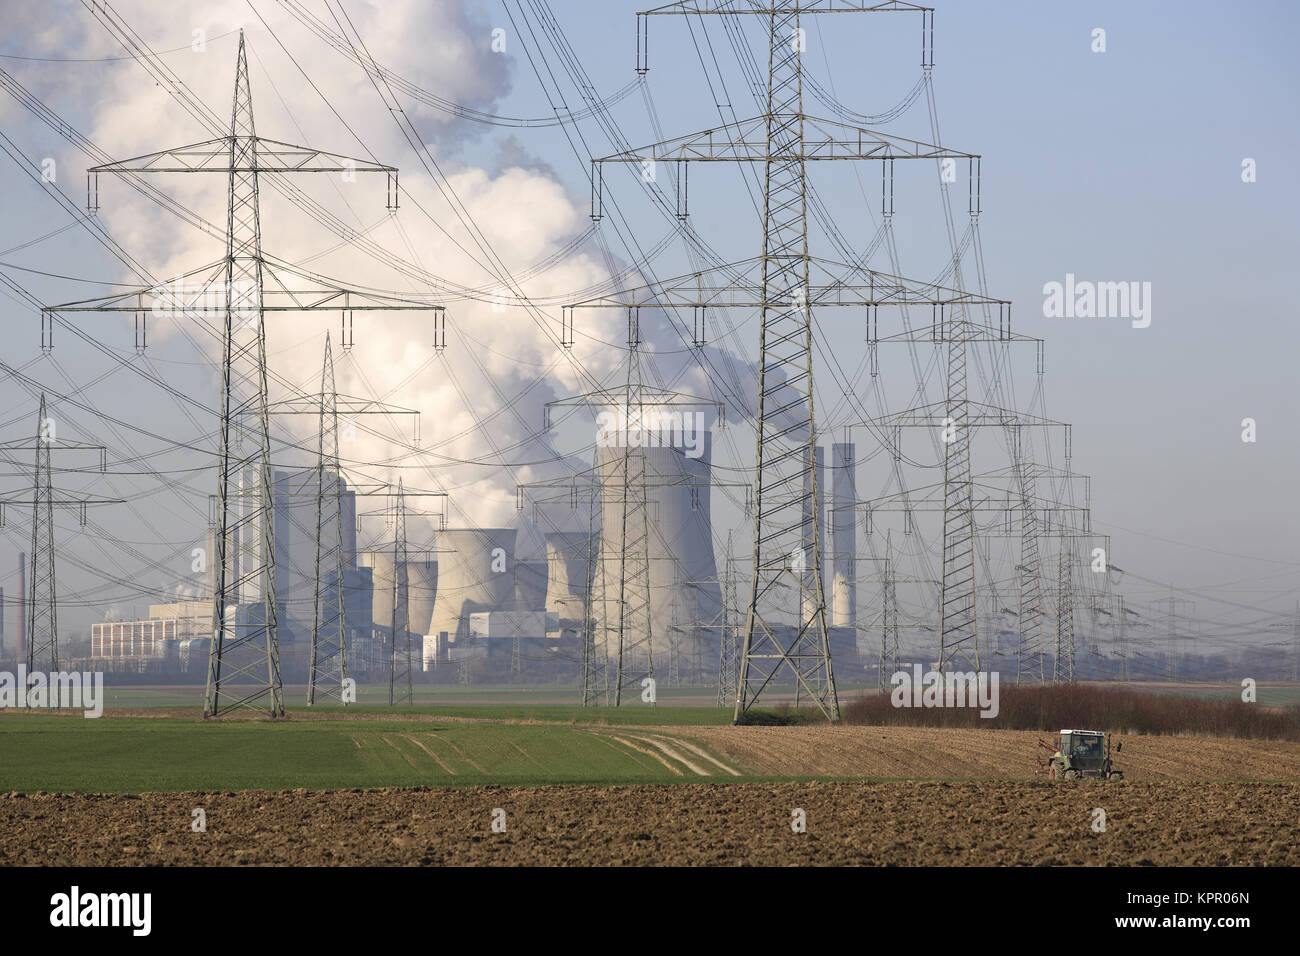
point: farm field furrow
(953, 753)
(871, 823)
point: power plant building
(685, 594)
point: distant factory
(488, 603)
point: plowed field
(871, 823)
(943, 753)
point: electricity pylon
(42, 635)
(621, 478)
(41, 639)
(888, 664)
(595, 686)
(1029, 619)
(1065, 618)
(1121, 635)
(1294, 627)
(959, 645)
(729, 646)
(1054, 525)
(400, 667)
(634, 657)
(785, 620)
(1295, 647)
(329, 646)
(1174, 608)
(328, 665)
(244, 660)
(1003, 493)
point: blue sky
(1115, 166)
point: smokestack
(212, 564)
(844, 536)
(818, 516)
(22, 606)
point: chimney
(22, 607)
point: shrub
(1051, 707)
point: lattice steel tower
(888, 664)
(634, 657)
(1065, 617)
(42, 635)
(595, 681)
(787, 549)
(729, 645)
(785, 630)
(1029, 648)
(244, 662)
(329, 651)
(400, 689)
(244, 455)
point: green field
(523, 705)
(141, 754)
(1266, 695)
(525, 697)
(152, 739)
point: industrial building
(685, 592)
(511, 598)
(167, 636)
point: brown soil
(982, 823)
(954, 753)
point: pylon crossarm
(310, 404)
(936, 414)
(739, 285)
(203, 291)
(270, 156)
(933, 335)
(985, 497)
(700, 7)
(747, 141)
(651, 398)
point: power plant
(949, 526)
(685, 591)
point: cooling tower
(422, 585)
(530, 567)
(843, 549)
(530, 585)
(566, 581)
(476, 572)
(683, 576)
(381, 565)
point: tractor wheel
(1072, 775)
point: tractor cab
(1082, 753)
(1085, 749)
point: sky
(1115, 165)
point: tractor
(1080, 754)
